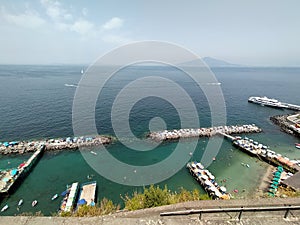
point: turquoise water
(35, 103)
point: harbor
(202, 132)
(207, 180)
(69, 143)
(11, 177)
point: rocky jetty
(69, 143)
(202, 132)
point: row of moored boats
(74, 196)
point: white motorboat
(20, 202)
(4, 208)
(54, 197)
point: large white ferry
(264, 101)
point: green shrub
(155, 196)
(104, 207)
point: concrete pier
(207, 181)
(202, 132)
(9, 179)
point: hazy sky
(245, 32)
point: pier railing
(285, 209)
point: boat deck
(88, 192)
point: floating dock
(87, 194)
(70, 143)
(202, 132)
(10, 178)
(207, 181)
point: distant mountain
(212, 62)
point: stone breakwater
(202, 132)
(287, 125)
(68, 143)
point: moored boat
(297, 145)
(20, 202)
(34, 203)
(4, 208)
(54, 197)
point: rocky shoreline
(22, 147)
(285, 125)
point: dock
(207, 181)
(202, 132)
(87, 194)
(11, 177)
(292, 107)
(68, 203)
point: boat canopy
(81, 202)
(14, 172)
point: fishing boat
(34, 203)
(297, 145)
(20, 202)
(4, 208)
(54, 197)
(87, 194)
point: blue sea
(36, 103)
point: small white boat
(4, 208)
(81, 71)
(297, 145)
(20, 202)
(34, 203)
(54, 197)
(248, 165)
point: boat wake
(213, 83)
(71, 85)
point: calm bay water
(36, 103)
